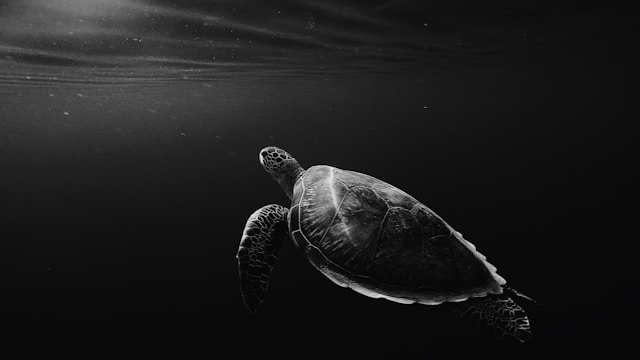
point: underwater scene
(130, 136)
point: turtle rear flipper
(261, 240)
(497, 312)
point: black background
(121, 218)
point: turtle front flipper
(497, 312)
(261, 240)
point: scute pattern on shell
(378, 240)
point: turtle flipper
(261, 240)
(497, 312)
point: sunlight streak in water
(135, 33)
(294, 37)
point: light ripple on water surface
(107, 41)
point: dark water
(129, 137)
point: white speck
(51, 95)
(425, 24)
(218, 137)
(183, 134)
(28, 77)
(80, 95)
(424, 107)
(70, 32)
(66, 113)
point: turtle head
(282, 167)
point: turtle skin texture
(371, 236)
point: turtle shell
(370, 236)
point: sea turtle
(370, 236)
